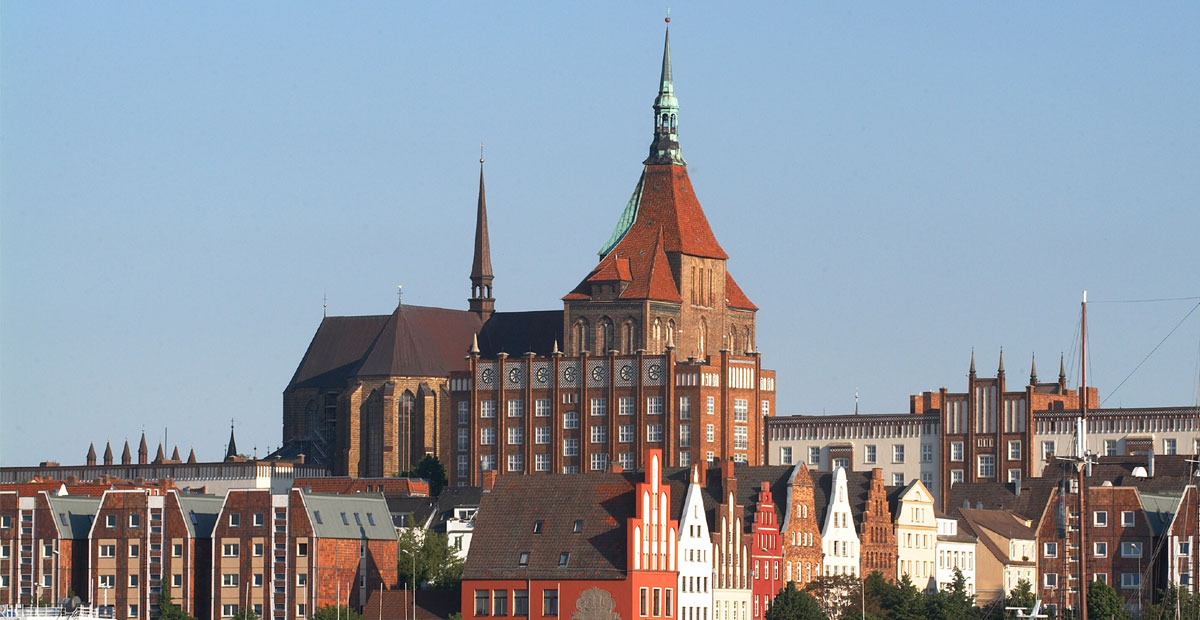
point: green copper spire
(665, 148)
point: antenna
(324, 305)
(399, 294)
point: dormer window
(563, 558)
(537, 526)
(523, 559)
(578, 527)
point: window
(1131, 549)
(464, 439)
(626, 460)
(956, 451)
(106, 551)
(570, 447)
(47, 550)
(481, 602)
(229, 550)
(654, 432)
(516, 436)
(766, 408)
(926, 453)
(710, 433)
(1169, 446)
(685, 436)
(898, 453)
(541, 435)
(301, 610)
(571, 419)
(599, 434)
(256, 549)
(110, 521)
(1051, 580)
(599, 406)
(177, 580)
(301, 549)
(644, 601)
(656, 607)
(301, 580)
(235, 520)
(487, 462)
(229, 580)
(869, 454)
(135, 520)
(549, 602)
(1014, 475)
(1050, 550)
(345, 521)
(499, 602)
(463, 465)
(487, 408)
(133, 611)
(520, 602)
(6, 522)
(176, 551)
(258, 519)
(1184, 547)
(785, 455)
(256, 580)
(563, 558)
(1100, 518)
(133, 580)
(685, 458)
(741, 439)
(599, 460)
(685, 408)
(516, 408)
(577, 526)
(463, 411)
(516, 462)
(134, 551)
(1131, 580)
(1047, 450)
(1014, 450)
(541, 408)
(1110, 447)
(1100, 549)
(741, 410)
(710, 405)
(926, 479)
(487, 436)
(228, 611)
(541, 462)
(108, 581)
(814, 456)
(987, 465)
(898, 479)
(1127, 518)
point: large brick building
(654, 348)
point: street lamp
(413, 575)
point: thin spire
(126, 456)
(1033, 370)
(143, 451)
(231, 451)
(481, 301)
(1062, 369)
(474, 344)
(972, 361)
(1000, 370)
(555, 351)
(108, 455)
(665, 147)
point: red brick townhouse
(586, 545)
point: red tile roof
(734, 297)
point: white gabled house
(695, 552)
(839, 540)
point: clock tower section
(662, 279)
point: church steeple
(482, 302)
(665, 148)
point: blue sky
(180, 184)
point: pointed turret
(231, 450)
(143, 451)
(972, 371)
(108, 455)
(1000, 370)
(474, 345)
(175, 455)
(1033, 370)
(191, 456)
(159, 457)
(481, 301)
(126, 456)
(91, 455)
(1062, 372)
(665, 148)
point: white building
(916, 534)
(955, 551)
(695, 554)
(839, 540)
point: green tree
(1020, 596)
(336, 612)
(904, 602)
(1104, 602)
(794, 604)
(834, 593)
(245, 614)
(431, 469)
(437, 567)
(168, 610)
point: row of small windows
(498, 602)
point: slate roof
(401, 506)
(516, 333)
(73, 515)
(350, 516)
(1160, 510)
(200, 513)
(1035, 495)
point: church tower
(482, 302)
(662, 278)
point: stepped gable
(411, 341)
(504, 526)
(516, 333)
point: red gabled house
(766, 553)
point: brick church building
(654, 349)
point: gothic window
(406, 407)
(628, 336)
(658, 335)
(579, 336)
(733, 340)
(749, 341)
(605, 336)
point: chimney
(489, 480)
(614, 467)
(978, 505)
(1150, 463)
(701, 473)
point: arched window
(672, 337)
(405, 433)
(579, 336)
(605, 337)
(749, 341)
(658, 346)
(629, 339)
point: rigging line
(1142, 301)
(1160, 343)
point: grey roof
(73, 515)
(350, 516)
(421, 509)
(200, 513)
(1160, 509)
